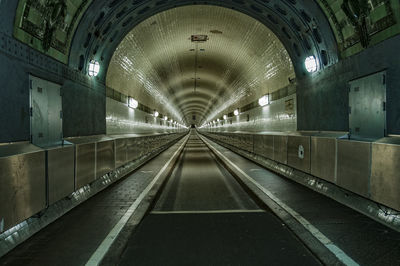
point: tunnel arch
(242, 62)
(300, 33)
(301, 26)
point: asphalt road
(204, 217)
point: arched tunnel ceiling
(158, 64)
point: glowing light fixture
(236, 112)
(263, 101)
(225, 117)
(311, 64)
(165, 118)
(94, 68)
(156, 114)
(218, 120)
(132, 103)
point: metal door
(367, 106)
(46, 112)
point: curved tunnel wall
(158, 64)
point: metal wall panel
(353, 166)
(385, 175)
(22, 187)
(299, 153)
(248, 143)
(323, 158)
(258, 145)
(280, 149)
(85, 164)
(60, 163)
(367, 100)
(105, 159)
(132, 150)
(121, 119)
(264, 146)
(268, 146)
(278, 116)
(121, 152)
(46, 120)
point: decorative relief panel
(358, 24)
(49, 25)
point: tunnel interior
(91, 91)
(199, 62)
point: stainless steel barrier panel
(268, 146)
(105, 159)
(323, 158)
(121, 152)
(353, 166)
(60, 171)
(85, 171)
(258, 145)
(299, 153)
(249, 143)
(385, 174)
(133, 149)
(22, 183)
(144, 145)
(280, 149)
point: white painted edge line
(101, 251)
(340, 254)
(206, 212)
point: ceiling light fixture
(156, 114)
(236, 112)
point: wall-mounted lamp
(311, 64)
(94, 68)
(132, 103)
(263, 101)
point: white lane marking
(340, 254)
(206, 212)
(146, 172)
(101, 251)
